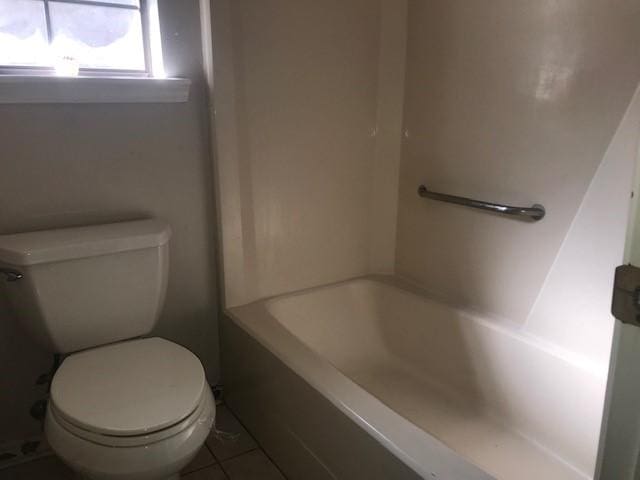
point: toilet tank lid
(46, 246)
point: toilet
(122, 406)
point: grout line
(215, 464)
(211, 452)
(224, 472)
(218, 461)
(182, 476)
(233, 457)
(274, 464)
(243, 425)
(255, 440)
(199, 469)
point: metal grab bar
(535, 212)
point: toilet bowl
(135, 410)
(122, 407)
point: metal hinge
(626, 295)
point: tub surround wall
(505, 103)
(500, 102)
(298, 119)
(305, 84)
(526, 111)
(384, 170)
(509, 102)
(572, 309)
(77, 164)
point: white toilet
(121, 406)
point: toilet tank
(86, 286)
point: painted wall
(516, 103)
(75, 164)
(303, 91)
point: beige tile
(204, 458)
(252, 466)
(51, 468)
(210, 473)
(48, 468)
(233, 440)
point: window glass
(97, 36)
(23, 33)
(71, 37)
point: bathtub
(371, 379)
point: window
(87, 37)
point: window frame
(35, 70)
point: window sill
(47, 89)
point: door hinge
(626, 295)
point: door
(620, 438)
(619, 451)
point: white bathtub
(448, 394)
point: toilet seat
(143, 457)
(133, 440)
(129, 393)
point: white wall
(296, 90)
(384, 169)
(572, 308)
(328, 115)
(517, 102)
(499, 101)
(73, 164)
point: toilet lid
(128, 388)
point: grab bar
(535, 212)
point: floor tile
(252, 466)
(235, 447)
(234, 439)
(204, 458)
(210, 473)
(47, 468)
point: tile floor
(233, 456)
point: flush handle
(10, 274)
